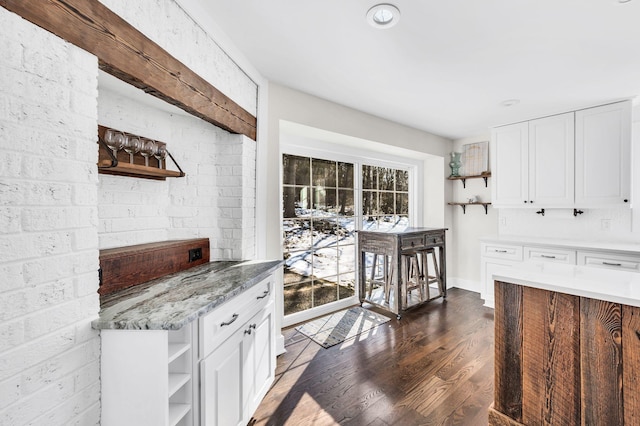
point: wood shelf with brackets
(464, 206)
(120, 163)
(485, 176)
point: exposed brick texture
(56, 212)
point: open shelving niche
(180, 385)
(484, 176)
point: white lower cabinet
(236, 373)
(496, 255)
(213, 371)
(609, 261)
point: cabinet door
(264, 356)
(551, 161)
(221, 384)
(603, 155)
(509, 165)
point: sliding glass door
(323, 203)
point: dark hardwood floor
(433, 367)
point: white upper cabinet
(551, 154)
(577, 159)
(533, 163)
(603, 155)
(510, 169)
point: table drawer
(550, 255)
(611, 261)
(412, 242)
(222, 322)
(502, 251)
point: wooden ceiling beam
(129, 55)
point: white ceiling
(446, 66)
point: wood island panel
(631, 364)
(601, 362)
(550, 359)
(508, 350)
(579, 361)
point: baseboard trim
(464, 284)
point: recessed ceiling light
(510, 102)
(383, 16)
(624, 1)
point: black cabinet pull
(233, 318)
(611, 264)
(265, 294)
(547, 256)
(251, 327)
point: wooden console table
(392, 246)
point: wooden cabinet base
(496, 418)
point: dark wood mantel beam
(129, 55)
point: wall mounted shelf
(464, 206)
(484, 176)
(122, 164)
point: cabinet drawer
(550, 255)
(502, 251)
(222, 322)
(610, 261)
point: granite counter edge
(178, 323)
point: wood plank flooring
(433, 367)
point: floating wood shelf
(464, 206)
(484, 176)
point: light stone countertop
(172, 301)
(586, 281)
(619, 247)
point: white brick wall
(56, 212)
(49, 370)
(214, 199)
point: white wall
(468, 227)
(49, 370)
(50, 229)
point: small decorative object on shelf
(125, 154)
(455, 164)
